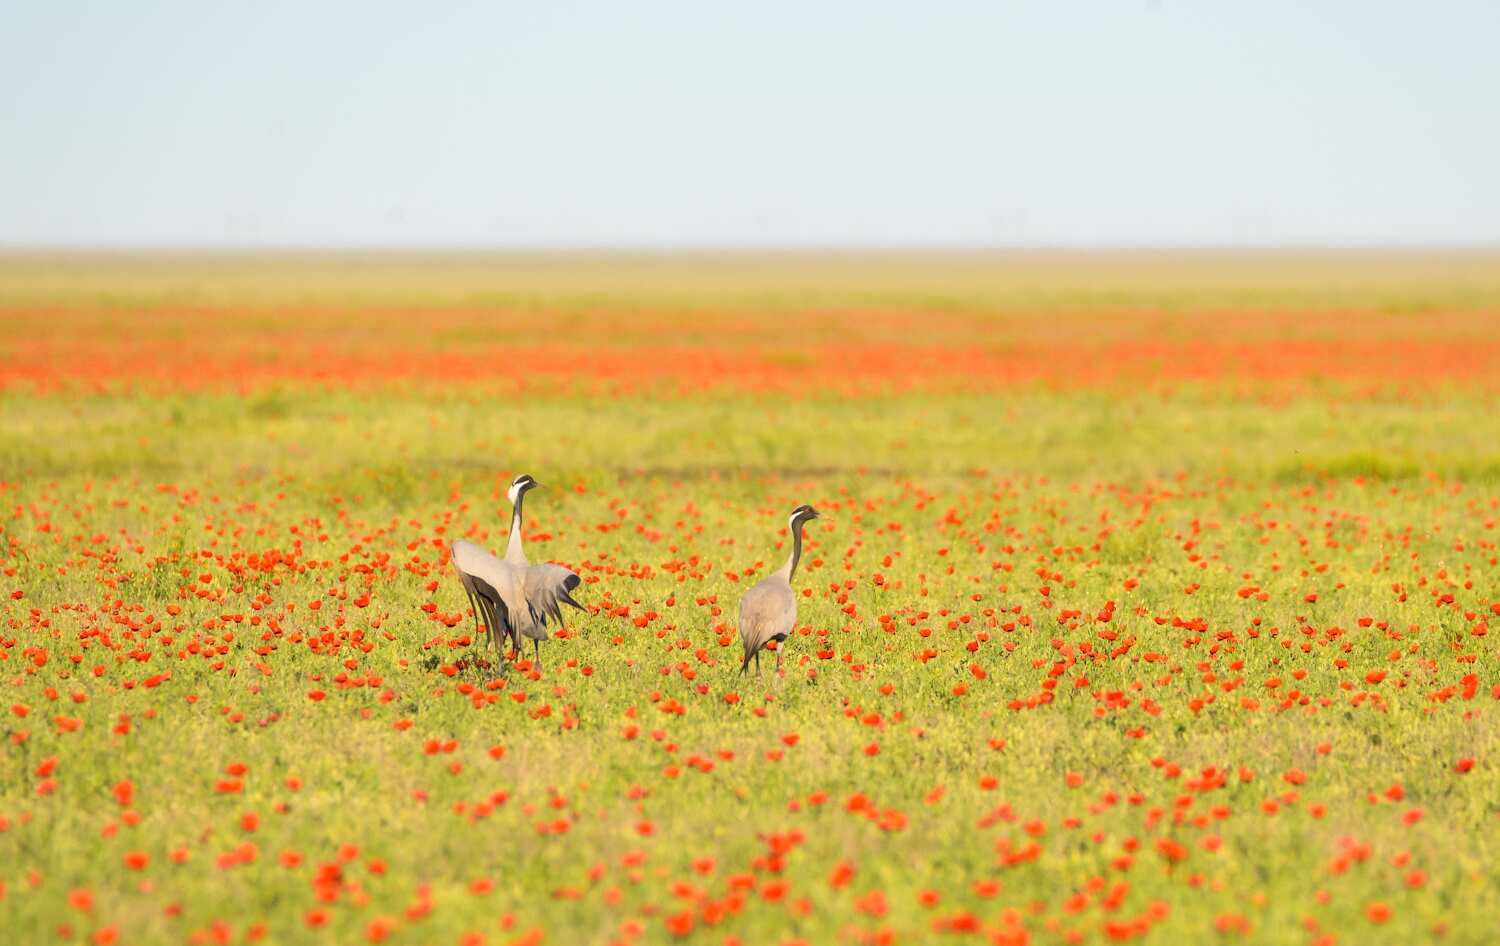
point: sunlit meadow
(1157, 600)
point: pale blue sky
(1058, 123)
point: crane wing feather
(492, 580)
(546, 588)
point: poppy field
(1153, 602)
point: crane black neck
(796, 547)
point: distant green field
(1176, 281)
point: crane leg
(778, 667)
(757, 665)
(489, 621)
(474, 610)
(478, 631)
(536, 650)
(499, 651)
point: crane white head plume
(800, 515)
(520, 485)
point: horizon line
(20, 249)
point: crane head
(520, 485)
(801, 515)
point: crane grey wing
(496, 613)
(547, 588)
(486, 575)
(475, 561)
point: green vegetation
(989, 531)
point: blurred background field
(977, 282)
(1272, 324)
(1260, 365)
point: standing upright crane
(768, 612)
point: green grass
(114, 507)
